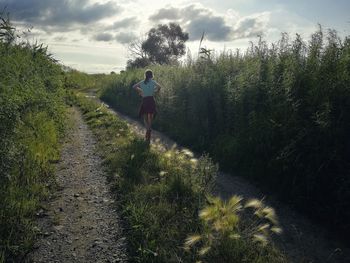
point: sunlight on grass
(161, 194)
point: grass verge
(161, 194)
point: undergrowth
(31, 122)
(161, 194)
(278, 114)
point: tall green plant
(32, 121)
(161, 193)
(278, 114)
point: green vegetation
(277, 114)
(161, 194)
(31, 123)
(224, 234)
(76, 80)
(164, 44)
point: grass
(32, 115)
(162, 197)
(277, 114)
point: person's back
(148, 88)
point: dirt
(81, 223)
(302, 241)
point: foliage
(159, 191)
(77, 80)
(223, 230)
(163, 45)
(278, 114)
(32, 121)
(7, 31)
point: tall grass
(278, 114)
(31, 122)
(161, 193)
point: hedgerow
(278, 114)
(31, 123)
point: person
(147, 88)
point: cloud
(196, 19)
(103, 37)
(251, 26)
(59, 15)
(124, 37)
(170, 13)
(124, 23)
(214, 27)
(121, 37)
(60, 38)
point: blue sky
(93, 35)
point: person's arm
(138, 88)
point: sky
(93, 35)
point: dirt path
(302, 241)
(81, 223)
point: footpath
(80, 223)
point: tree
(135, 48)
(164, 44)
(139, 62)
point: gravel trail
(80, 223)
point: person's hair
(148, 75)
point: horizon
(92, 35)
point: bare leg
(150, 119)
(149, 126)
(145, 120)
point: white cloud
(104, 27)
(283, 21)
(251, 26)
(197, 19)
